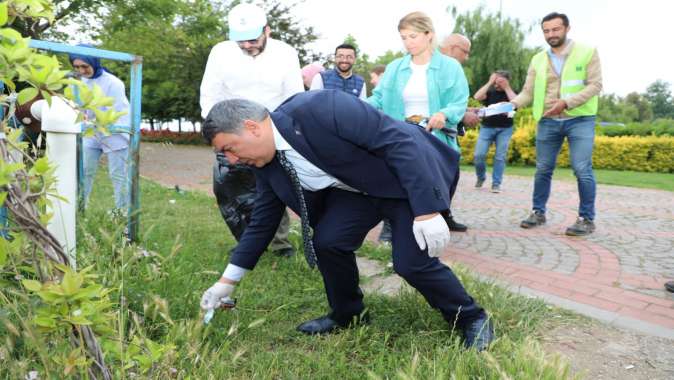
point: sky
(631, 37)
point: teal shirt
(447, 91)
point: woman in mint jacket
(424, 83)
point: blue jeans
(500, 137)
(117, 169)
(550, 135)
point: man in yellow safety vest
(564, 83)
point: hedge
(165, 136)
(645, 154)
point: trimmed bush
(659, 127)
(645, 154)
(165, 136)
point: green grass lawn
(188, 245)
(660, 181)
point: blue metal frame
(135, 103)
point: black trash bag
(234, 189)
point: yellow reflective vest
(574, 75)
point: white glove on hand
(212, 296)
(432, 233)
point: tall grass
(184, 247)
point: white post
(60, 123)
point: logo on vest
(579, 68)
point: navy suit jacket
(355, 143)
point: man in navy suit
(350, 166)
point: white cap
(246, 22)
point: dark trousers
(341, 220)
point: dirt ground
(600, 351)
(594, 349)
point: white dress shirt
(311, 178)
(269, 78)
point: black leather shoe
(327, 325)
(285, 252)
(478, 333)
(322, 325)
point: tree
(497, 44)
(64, 12)
(660, 97)
(641, 105)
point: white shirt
(114, 88)
(317, 84)
(269, 78)
(311, 177)
(415, 94)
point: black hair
(554, 15)
(503, 73)
(346, 46)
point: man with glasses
(253, 66)
(342, 77)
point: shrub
(647, 154)
(164, 136)
(659, 127)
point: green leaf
(47, 96)
(3, 197)
(4, 248)
(71, 283)
(27, 94)
(78, 320)
(41, 166)
(32, 285)
(45, 322)
(3, 13)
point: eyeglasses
(83, 67)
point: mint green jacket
(447, 91)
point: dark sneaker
(536, 218)
(496, 188)
(479, 183)
(478, 334)
(582, 227)
(669, 285)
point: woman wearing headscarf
(116, 144)
(424, 84)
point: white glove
(432, 233)
(213, 296)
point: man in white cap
(253, 66)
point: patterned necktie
(309, 252)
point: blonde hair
(419, 22)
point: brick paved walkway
(619, 270)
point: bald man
(456, 46)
